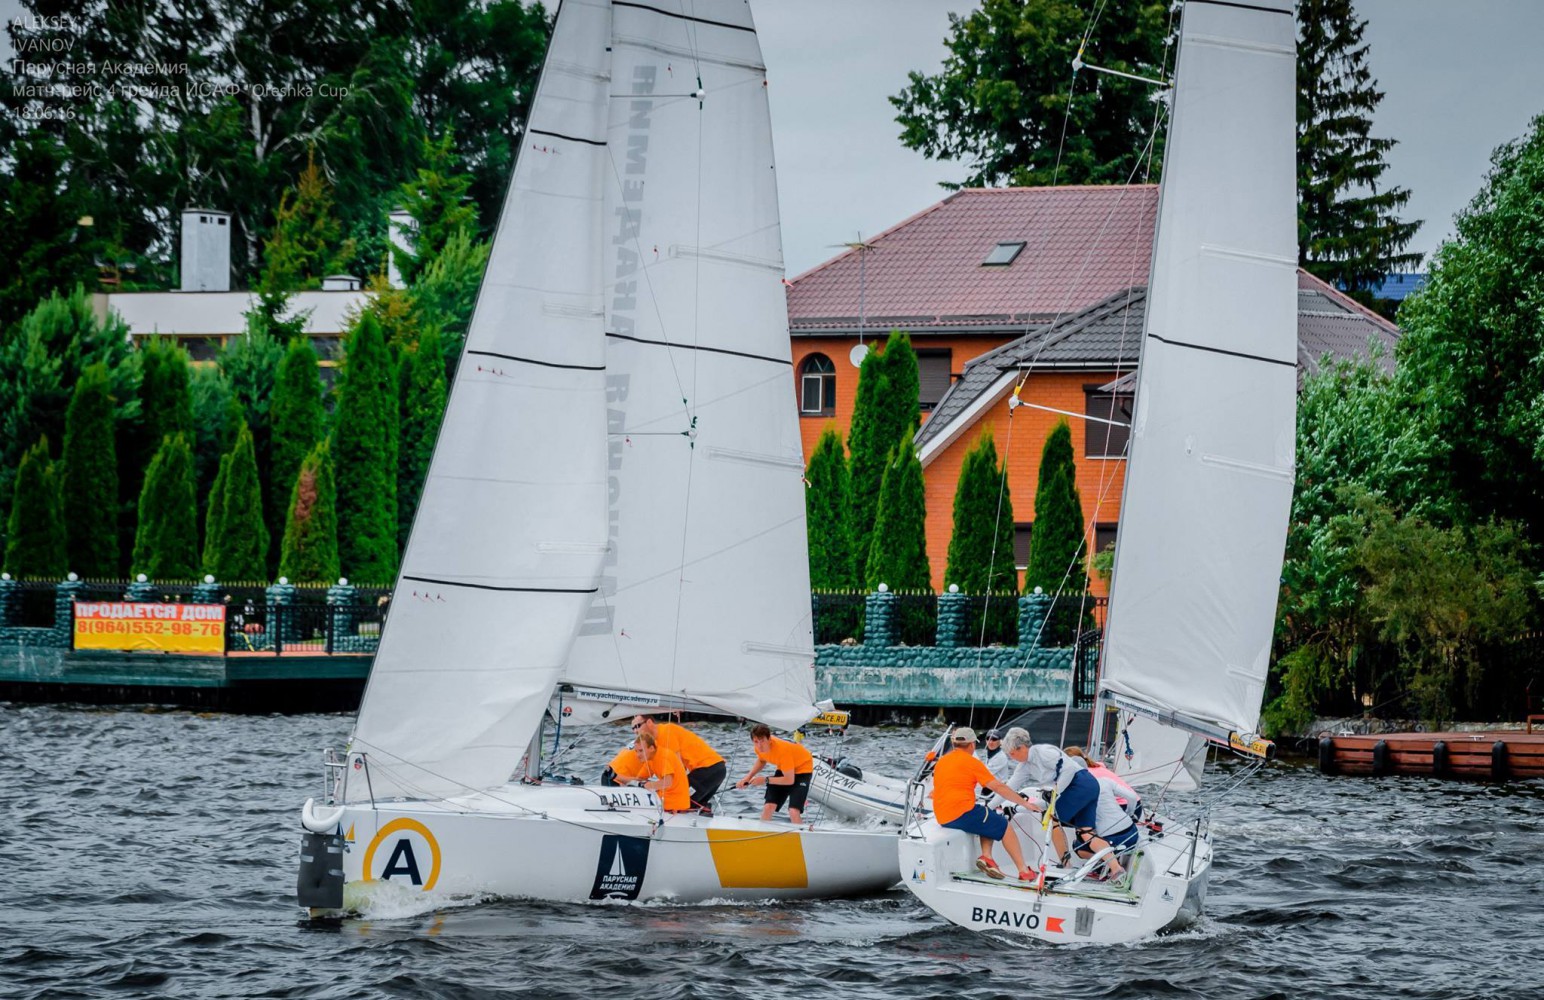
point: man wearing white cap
(956, 777)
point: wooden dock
(1486, 756)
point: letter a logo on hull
(620, 868)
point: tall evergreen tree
(165, 394)
(446, 291)
(1056, 540)
(898, 549)
(437, 200)
(999, 102)
(1349, 233)
(833, 565)
(166, 542)
(35, 538)
(365, 447)
(423, 407)
(981, 558)
(45, 249)
(236, 546)
(214, 517)
(310, 550)
(297, 417)
(307, 243)
(90, 500)
(886, 408)
(217, 416)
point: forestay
(705, 593)
(1209, 481)
(506, 551)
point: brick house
(994, 283)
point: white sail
(705, 593)
(506, 550)
(1209, 480)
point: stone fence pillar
(879, 618)
(341, 598)
(1034, 609)
(281, 596)
(9, 597)
(65, 593)
(140, 590)
(953, 618)
(206, 591)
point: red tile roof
(1082, 245)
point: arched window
(817, 386)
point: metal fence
(838, 616)
(991, 620)
(304, 628)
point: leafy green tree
(310, 550)
(1472, 357)
(423, 407)
(832, 562)
(45, 248)
(90, 476)
(1056, 540)
(236, 543)
(898, 549)
(297, 416)
(437, 200)
(165, 396)
(166, 542)
(35, 538)
(999, 102)
(981, 547)
(365, 445)
(1350, 234)
(887, 407)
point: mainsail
(506, 551)
(705, 594)
(1209, 480)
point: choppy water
(153, 853)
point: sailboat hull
(868, 796)
(583, 843)
(1167, 889)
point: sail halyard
(704, 597)
(506, 549)
(1209, 479)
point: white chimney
(402, 230)
(206, 250)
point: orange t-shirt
(694, 750)
(626, 764)
(790, 758)
(678, 797)
(955, 778)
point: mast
(1209, 480)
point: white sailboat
(1207, 493)
(613, 519)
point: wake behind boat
(618, 448)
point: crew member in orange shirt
(704, 765)
(795, 766)
(623, 766)
(956, 777)
(663, 773)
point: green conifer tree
(437, 200)
(898, 549)
(365, 450)
(1056, 540)
(886, 407)
(310, 550)
(422, 408)
(296, 418)
(90, 500)
(236, 544)
(166, 542)
(307, 242)
(1349, 234)
(832, 562)
(981, 558)
(35, 538)
(165, 394)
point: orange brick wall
(1020, 438)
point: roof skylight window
(1003, 254)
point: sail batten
(1209, 480)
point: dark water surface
(153, 853)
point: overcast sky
(1459, 79)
